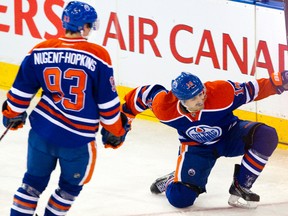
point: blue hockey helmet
(186, 86)
(76, 14)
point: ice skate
(159, 185)
(240, 196)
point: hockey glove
(15, 122)
(280, 81)
(111, 141)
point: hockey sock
(251, 167)
(59, 203)
(264, 142)
(25, 201)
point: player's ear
(88, 25)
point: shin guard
(59, 203)
(25, 201)
(264, 141)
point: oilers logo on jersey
(204, 133)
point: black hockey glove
(280, 80)
(15, 122)
(111, 141)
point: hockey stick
(7, 129)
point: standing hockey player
(79, 92)
(203, 116)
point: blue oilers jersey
(78, 91)
(208, 125)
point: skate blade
(239, 202)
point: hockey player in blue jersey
(78, 94)
(203, 116)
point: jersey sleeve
(107, 97)
(252, 91)
(266, 89)
(24, 88)
(141, 98)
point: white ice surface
(121, 181)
